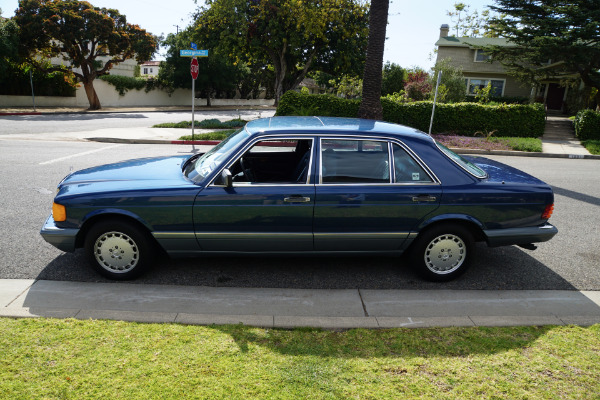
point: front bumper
(532, 234)
(62, 239)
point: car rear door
(370, 195)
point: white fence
(109, 97)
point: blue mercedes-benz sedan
(291, 185)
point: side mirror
(227, 178)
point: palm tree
(370, 106)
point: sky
(413, 25)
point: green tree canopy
(294, 36)
(80, 34)
(9, 43)
(217, 75)
(551, 39)
(392, 80)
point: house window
(145, 71)
(481, 56)
(481, 83)
(150, 70)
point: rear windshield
(465, 164)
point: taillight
(548, 211)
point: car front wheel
(118, 250)
(443, 252)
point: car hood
(138, 174)
(499, 172)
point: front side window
(354, 161)
(274, 161)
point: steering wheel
(247, 172)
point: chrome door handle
(424, 197)
(296, 199)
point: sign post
(194, 69)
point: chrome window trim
(249, 145)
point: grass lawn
(71, 359)
(593, 146)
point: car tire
(119, 250)
(442, 252)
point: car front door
(371, 193)
(269, 205)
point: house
(149, 69)
(479, 70)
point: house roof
(152, 63)
(472, 42)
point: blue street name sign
(193, 53)
(194, 46)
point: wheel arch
(473, 225)
(118, 215)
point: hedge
(466, 119)
(587, 125)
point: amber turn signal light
(59, 212)
(548, 211)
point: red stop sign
(194, 68)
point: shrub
(125, 83)
(459, 118)
(587, 125)
(16, 82)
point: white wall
(109, 97)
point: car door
(269, 205)
(371, 194)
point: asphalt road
(31, 170)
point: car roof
(324, 125)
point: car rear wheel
(118, 250)
(443, 252)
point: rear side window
(354, 161)
(406, 169)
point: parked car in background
(292, 185)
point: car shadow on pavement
(504, 268)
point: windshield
(467, 165)
(205, 165)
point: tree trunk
(88, 85)
(370, 106)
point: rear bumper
(62, 239)
(532, 234)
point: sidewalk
(290, 308)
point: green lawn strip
(593, 146)
(51, 358)
(204, 124)
(219, 135)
